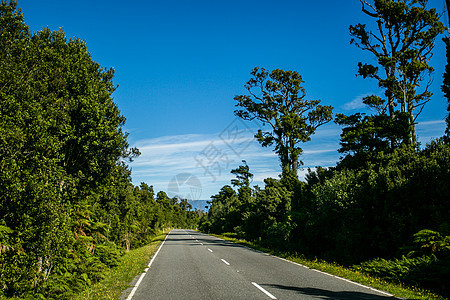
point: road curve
(193, 265)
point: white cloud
(356, 103)
(432, 122)
(208, 157)
(428, 130)
(163, 158)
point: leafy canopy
(277, 98)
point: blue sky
(180, 63)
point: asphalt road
(193, 265)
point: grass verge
(396, 289)
(118, 278)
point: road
(193, 265)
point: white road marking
(210, 250)
(292, 262)
(355, 283)
(130, 296)
(331, 275)
(225, 262)
(337, 277)
(264, 291)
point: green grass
(396, 289)
(118, 278)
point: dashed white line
(210, 250)
(225, 262)
(264, 291)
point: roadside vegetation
(118, 279)
(383, 210)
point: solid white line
(225, 262)
(210, 250)
(130, 296)
(355, 283)
(264, 291)
(337, 277)
(292, 262)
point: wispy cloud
(432, 123)
(431, 129)
(356, 103)
(211, 157)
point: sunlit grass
(118, 278)
(396, 289)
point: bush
(427, 265)
(109, 253)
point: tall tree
(402, 41)
(446, 83)
(243, 175)
(278, 99)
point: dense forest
(385, 207)
(68, 209)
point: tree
(243, 175)
(446, 83)
(278, 99)
(402, 42)
(363, 135)
(60, 142)
(446, 86)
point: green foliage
(351, 215)
(397, 269)
(109, 253)
(446, 85)
(278, 99)
(243, 176)
(117, 279)
(428, 265)
(67, 205)
(383, 191)
(364, 135)
(374, 209)
(401, 39)
(256, 214)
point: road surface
(193, 265)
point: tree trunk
(447, 3)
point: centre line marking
(210, 250)
(225, 262)
(264, 291)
